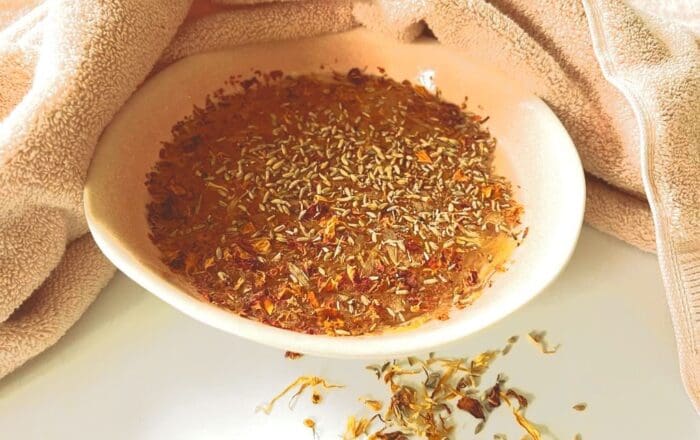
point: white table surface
(134, 368)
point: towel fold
(67, 67)
(624, 82)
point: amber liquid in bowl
(332, 204)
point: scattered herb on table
(292, 355)
(302, 382)
(426, 392)
(538, 338)
(311, 424)
(511, 341)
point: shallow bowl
(534, 151)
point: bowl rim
(393, 343)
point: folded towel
(623, 82)
(656, 66)
(67, 67)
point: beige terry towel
(66, 68)
(624, 83)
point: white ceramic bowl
(534, 151)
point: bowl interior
(534, 152)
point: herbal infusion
(332, 204)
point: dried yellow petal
(269, 306)
(423, 157)
(351, 271)
(261, 246)
(537, 338)
(459, 176)
(482, 361)
(248, 228)
(302, 382)
(374, 405)
(355, 428)
(298, 275)
(209, 262)
(525, 423)
(329, 229)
